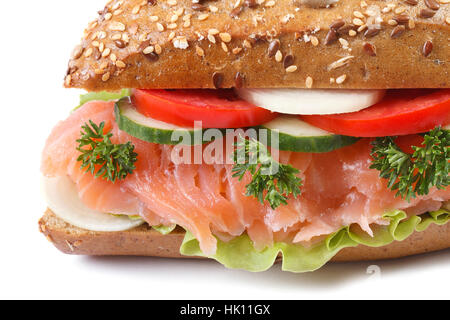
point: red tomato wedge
(215, 108)
(401, 112)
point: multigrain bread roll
(182, 44)
(265, 44)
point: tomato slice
(215, 108)
(401, 112)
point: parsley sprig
(414, 174)
(271, 181)
(103, 158)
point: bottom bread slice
(144, 241)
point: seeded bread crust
(144, 241)
(283, 43)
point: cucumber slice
(299, 136)
(151, 130)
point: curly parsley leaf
(103, 158)
(271, 181)
(414, 174)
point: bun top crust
(265, 44)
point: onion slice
(311, 101)
(62, 198)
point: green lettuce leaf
(164, 230)
(103, 96)
(239, 253)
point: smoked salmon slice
(338, 190)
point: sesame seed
(154, 18)
(117, 12)
(171, 36)
(309, 82)
(224, 46)
(106, 76)
(174, 18)
(343, 42)
(116, 26)
(340, 63)
(278, 56)
(136, 9)
(117, 5)
(187, 24)
(148, 50)
(172, 26)
(399, 10)
(180, 42)
(158, 49)
(392, 22)
(213, 9)
(358, 14)
(160, 27)
(447, 20)
(88, 53)
(211, 38)
(113, 57)
(291, 69)
(200, 52)
(172, 3)
(358, 22)
(411, 24)
(77, 52)
(314, 41)
(108, 16)
(179, 12)
(341, 79)
(352, 33)
(106, 52)
(236, 50)
(213, 31)
(270, 3)
(362, 28)
(203, 17)
(120, 64)
(225, 37)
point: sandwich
(255, 131)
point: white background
(36, 41)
